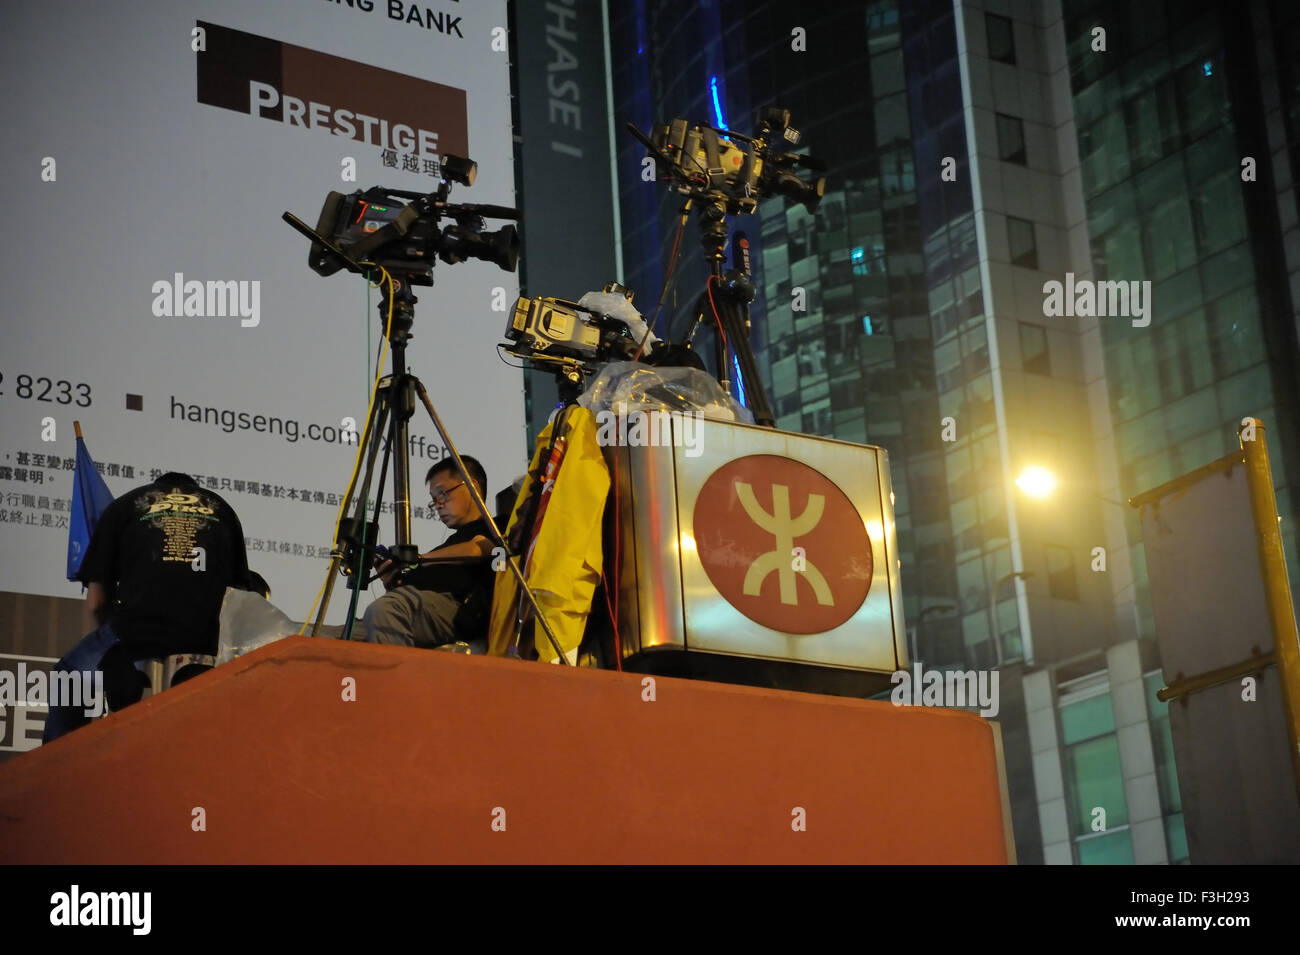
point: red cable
(717, 319)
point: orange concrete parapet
(439, 751)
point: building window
(1061, 582)
(1001, 37)
(1020, 239)
(1011, 139)
(1034, 356)
(1094, 778)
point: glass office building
(1165, 122)
(976, 151)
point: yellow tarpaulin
(565, 566)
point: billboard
(155, 295)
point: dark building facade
(977, 151)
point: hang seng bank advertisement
(154, 294)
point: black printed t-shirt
(143, 553)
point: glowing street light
(1037, 482)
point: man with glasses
(439, 603)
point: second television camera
(715, 161)
(606, 328)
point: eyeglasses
(441, 497)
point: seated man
(157, 569)
(440, 603)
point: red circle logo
(783, 544)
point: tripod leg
(403, 408)
(375, 435)
(360, 528)
(497, 537)
(734, 317)
(701, 309)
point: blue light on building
(739, 379)
(717, 105)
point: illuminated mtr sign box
(751, 555)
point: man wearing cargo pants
(435, 603)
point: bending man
(440, 603)
(156, 571)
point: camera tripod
(727, 294)
(387, 430)
(711, 166)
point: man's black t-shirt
(164, 595)
(458, 579)
(469, 582)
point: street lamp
(1037, 482)
(997, 588)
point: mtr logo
(783, 544)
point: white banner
(154, 294)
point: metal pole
(1182, 686)
(1277, 588)
(997, 588)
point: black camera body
(403, 231)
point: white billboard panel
(154, 294)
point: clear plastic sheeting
(623, 387)
(249, 621)
(617, 306)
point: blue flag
(90, 496)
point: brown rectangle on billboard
(391, 98)
(317, 91)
